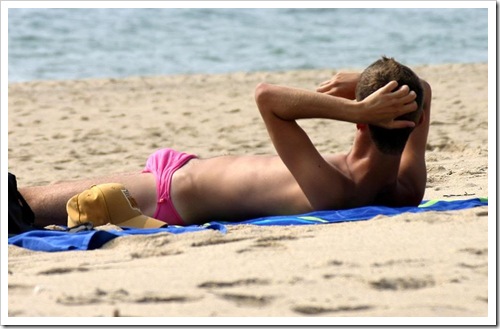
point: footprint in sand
(240, 299)
(406, 283)
(318, 310)
(237, 283)
(121, 295)
(247, 300)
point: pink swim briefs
(163, 164)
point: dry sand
(425, 265)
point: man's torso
(239, 187)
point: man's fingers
(409, 98)
(390, 86)
(323, 87)
(409, 107)
(401, 92)
(324, 84)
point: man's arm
(380, 108)
(412, 176)
(281, 106)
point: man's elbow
(272, 101)
(410, 193)
(262, 93)
(415, 198)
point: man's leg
(49, 202)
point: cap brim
(143, 222)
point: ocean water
(46, 44)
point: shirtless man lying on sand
(386, 165)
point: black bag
(21, 217)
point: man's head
(374, 77)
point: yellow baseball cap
(108, 203)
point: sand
(412, 265)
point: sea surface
(46, 44)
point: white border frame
(492, 140)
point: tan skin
(297, 180)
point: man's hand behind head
(382, 107)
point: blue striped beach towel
(44, 240)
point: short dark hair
(377, 75)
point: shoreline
(154, 76)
